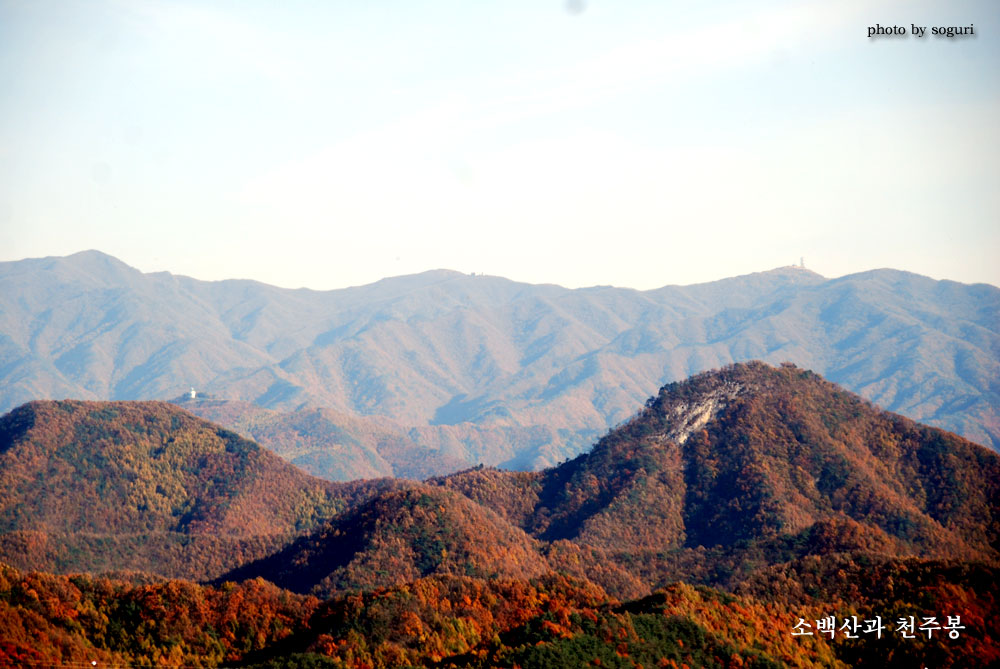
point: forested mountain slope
(753, 464)
(732, 508)
(145, 485)
(397, 537)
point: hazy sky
(327, 144)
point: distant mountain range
(731, 505)
(478, 369)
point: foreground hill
(145, 485)
(548, 368)
(397, 537)
(754, 464)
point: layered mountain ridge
(771, 494)
(773, 462)
(523, 375)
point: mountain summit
(145, 485)
(480, 369)
(755, 462)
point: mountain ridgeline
(479, 369)
(774, 459)
(715, 475)
(732, 505)
(146, 486)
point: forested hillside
(751, 465)
(554, 621)
(145, 485)
(731, 522)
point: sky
(590, 142)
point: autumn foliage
(731, 508)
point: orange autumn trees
(805, 503)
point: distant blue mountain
(483, 369)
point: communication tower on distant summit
(193, 393)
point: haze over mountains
(482, 369)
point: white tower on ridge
(193, 393)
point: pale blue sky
(327, 144)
